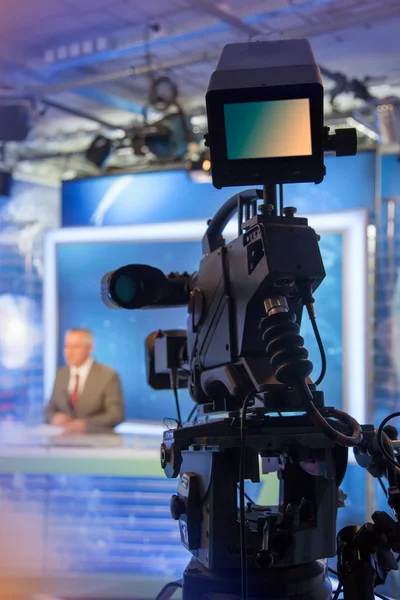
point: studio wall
(173, 196)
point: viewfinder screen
(273, 129)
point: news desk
(88, 517)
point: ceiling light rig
(169, 137)
(164, 136)
(166, 139)
(378, 119)
(174, 138)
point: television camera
(244, 362)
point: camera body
(273, 256)
(242, 355)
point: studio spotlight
(5, 183)
(163, 93)
(15, 118)
(167, 138)
(159, 140)
(99, 150)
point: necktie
(75, 392)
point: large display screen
(273, 129)
(120, 334)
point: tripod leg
(356, 572)
(169, 590)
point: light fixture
(206, 164)
(16, 114)
(163, 93)
(5, 182)
(201, 162)
(99, 150)
(167, 138)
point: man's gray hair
(89, 338)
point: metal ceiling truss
(86, 85)
(52, 81)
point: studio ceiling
(90, 55)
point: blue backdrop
(120, 334)
(173, 196)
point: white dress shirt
(83, 372)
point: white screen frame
(353, 226)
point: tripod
(304, 582)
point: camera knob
(391, 432)
(264, 559)
(177, 507)
(289, 212)
(164, 455)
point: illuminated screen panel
(275, 129)
(120, 334)
(84, 254)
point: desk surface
(40, 450)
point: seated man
(87, 396)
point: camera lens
(133, 286)
(127, 288)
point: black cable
(332, 571)
(338, 592)
(191, 413)
(311, 314)
(247, 496)
(243, 545)
(177, 585)
(340, 587)
(379, 436)
(322, 424)
(249, 499)
(382, 486)
(281, 199)
(178, 410)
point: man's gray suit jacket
(100, 404)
